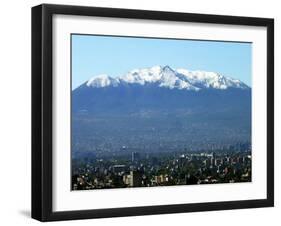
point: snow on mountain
(204, 79)
(142, 76)
(102, 80)
(164, 76)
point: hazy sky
(94, 55)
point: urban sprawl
(137, 169)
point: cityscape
(149, 112)
(165, 169)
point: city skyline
(186, 121)
(166, 169)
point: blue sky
(93, 55)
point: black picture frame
(42, 111)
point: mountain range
(165, 76)
(160, 108)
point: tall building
(136, 179)
(212, 161)
(135, 156)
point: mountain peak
(167, 68)
(165, 76)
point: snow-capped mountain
(165, 76)
(160, 105)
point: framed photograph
(146, 112)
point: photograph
(145, 112)
(148, 112)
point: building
(136, 178)
(118, 168)
(190, 179)
(160, 179)
(213, 161)
(207, 163)
(135, 156)
(217, 162)
(127, 179)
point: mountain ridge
(166, 77)
(153, 110)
